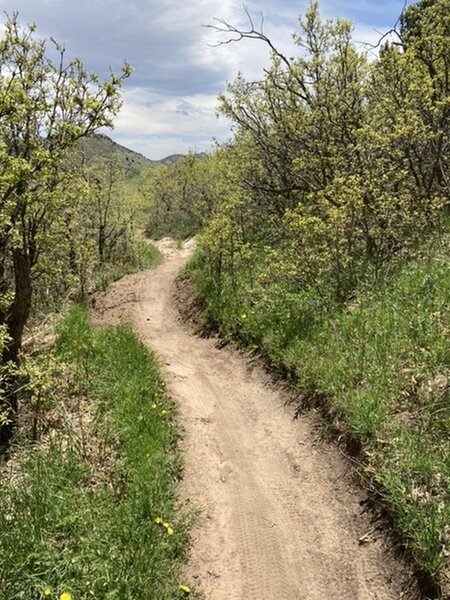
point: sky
(170, 101)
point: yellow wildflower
(47, 591)
(243, 316)
(154, 406)
(66, 596)
(169, 531)
(166, 525)
(163, 413)
(158, 520)
(186, 589)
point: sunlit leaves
(47, 102)
(343, 164)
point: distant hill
(173, 158)
(102, 146)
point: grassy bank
(378, 368)
(78, 508)
(50, 295)
(143, 255)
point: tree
(103, 179)
(180, 196)
(343, 163)
(425, 35)
(46, 104)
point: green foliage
(98, 238)
(46, 105)
(338, 166)
(141, 256)
(179, 196)
(38, 373)
(78, 515)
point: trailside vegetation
(87, 510)
(89, 462)
(179, 197)
(325, 245)
(65, 225)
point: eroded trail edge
(280, 519)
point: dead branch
(236, 35)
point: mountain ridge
(99, 145)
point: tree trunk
(15, 320)
(101, 243)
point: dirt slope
(280, 519)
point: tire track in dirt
(280, 518)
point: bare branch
(393, 30)
(382, 38)
(236, 34)
(249, 16)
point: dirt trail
(280, 519)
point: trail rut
(279, 516)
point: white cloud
(170, 101)
(153, 124)
(145, 113)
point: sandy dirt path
(280, 518)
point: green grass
(143, 255)
(380, 368)
(79, 513)
(385, 366)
